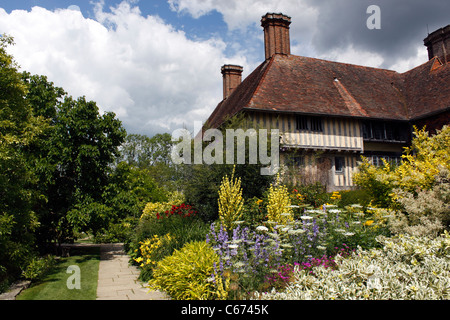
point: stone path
(117, 280)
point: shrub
(314, 194)
(421, 164)
(406, 267)
(428, 212)
(153, 208)
(151, 251)
(183, 228)
(38, 267)
(359, 196)
(254, 211)
(418, 187)
(186, 274)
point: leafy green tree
(72, 160)
(152, 154)
(200, 182)
(19, 128)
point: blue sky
(156, 63)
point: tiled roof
(427, 88)
(295, 84)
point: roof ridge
(261, 79)
(352, 104)
(344, 63)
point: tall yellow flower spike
(278, 207)
(230, 201)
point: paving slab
(118, 280)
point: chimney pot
(232, 77)
(276, 34)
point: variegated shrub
(406, 267)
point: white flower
(348, 234)
(296, 231)
(306, 217)
(262, 228)
(233, 246)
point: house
(330, 114)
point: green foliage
(200, 182)
(19, 129)
(402, 268)
(184, 275)
(359, 196)
(152, 154)
(418, 187)
(314, 194)
(181, 229)
(38, 267)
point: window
(316, 124)
(302, 123)
(296, 161)
(306, 123)
(339, 163)
(377, 160)
(385, 131)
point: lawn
(54, 285)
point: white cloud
(239, 14)
(349, 54)
(327, 29)
(74, 7)
(155, 77)
(152, 76)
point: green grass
(54, 285)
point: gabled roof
(295, 84)
(427, 89)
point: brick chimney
(276, 34)
(438, 44)
(232, 77)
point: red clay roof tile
(295, 84)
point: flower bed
(406, 267)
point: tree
(200, 182)
(73, 158)
(152, 154)
(19, 128)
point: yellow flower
(230, 200)
(368, 223)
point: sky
(156, 63)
